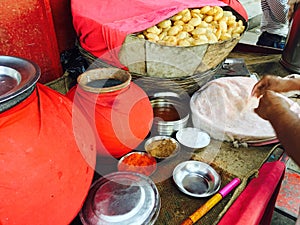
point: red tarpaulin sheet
(102, 26)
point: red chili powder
(139, 163)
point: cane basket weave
(150, 84)
(179, 69)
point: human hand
(292, 4)
(271, 105)
(268, 82)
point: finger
(270, 94)
(257, 90)
(254, 93)
(257, 111)
(254, 90)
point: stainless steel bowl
(171, 113)
(196, 178)
(162, 147)
(138, 162)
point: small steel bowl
(196, 178)
(138, 162)
(162, 147)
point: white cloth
(274, 17)
(224, 109)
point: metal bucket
(291, 54)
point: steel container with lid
(171, 112)
(291, 53)
(121, 198)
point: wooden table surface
(260, 60)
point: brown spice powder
(161, 148)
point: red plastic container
(46, 155)
(121, 115)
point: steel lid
(17, 75)
(121, 198)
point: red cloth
(46, 171)
(256, 203)
(102, 26)
(121, 119)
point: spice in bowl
(139, 162)
(162, 147)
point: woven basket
(150, 59)
(151, 85)
(179, 69)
